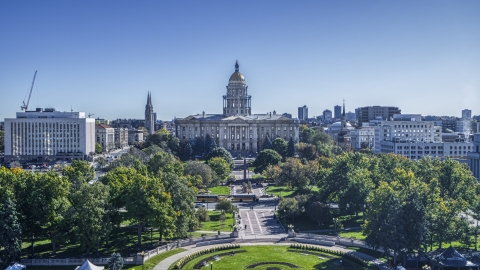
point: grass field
(280, 191)
(220, 190)
(215, 224)
(255, 254)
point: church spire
(236, 66)
(343, 114)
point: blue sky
(102, 57)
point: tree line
(151, 187)
(407, 205)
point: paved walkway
(165, 264)
(259, 222)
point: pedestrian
(245, 226)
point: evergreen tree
(10, 234)
(187, 150)
(267, 143)
(291, 148)
(208, 144)
(115, 262)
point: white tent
(89, 266)
(16, 266)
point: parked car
(197, 205)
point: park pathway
(259, 222)
(165, 264)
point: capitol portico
(237, 130)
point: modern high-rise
(48, 135)
(365, 114)
(303, 113)
(149, 115)
(337, 112)
(327, 116)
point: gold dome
(237, 76)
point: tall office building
(48, 135)
(327, 116)
(303, 113)
(467, 114)
(149, 117)
(365, 114)
(337, 112)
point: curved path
(165, 264)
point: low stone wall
(215, 242)
(134, 260)
(314, 242)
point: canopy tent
(452, 259)
(89, 266)
(16, 266)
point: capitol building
(236, 129)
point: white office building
(48, 135)
(474, 157)
(362, 137)
(417, 139)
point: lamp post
(335, 222)
(143, 258)
(211, 265)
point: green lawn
(215, 224)
(280, 191)
(355, 234)
(220, 190)
(123, 240)
(255, 254)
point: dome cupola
(237, 76)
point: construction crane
(24, 107)
(90, 115)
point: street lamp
(211, 265)
(335, 222)
(143, 258)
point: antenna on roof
(71, 108)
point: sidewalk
(165, 264)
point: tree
(306, 151)
(98, 148)
(306, 134)
(101, 161)
(223, 153)
(220, 166)
(280, 146)
(202, 214)
(224, 205)
(194, 168)
(319, 212)
(208, 144)
(187, 151)
(199, 146)
(88, 210)
(115, 262)
(291, 148)
(148, 203)
(10, 234)
(267, 142)
(266, 157)
(289, 207)
(272, 172)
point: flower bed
(291, 265)
(202, 252)
(346, 255)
